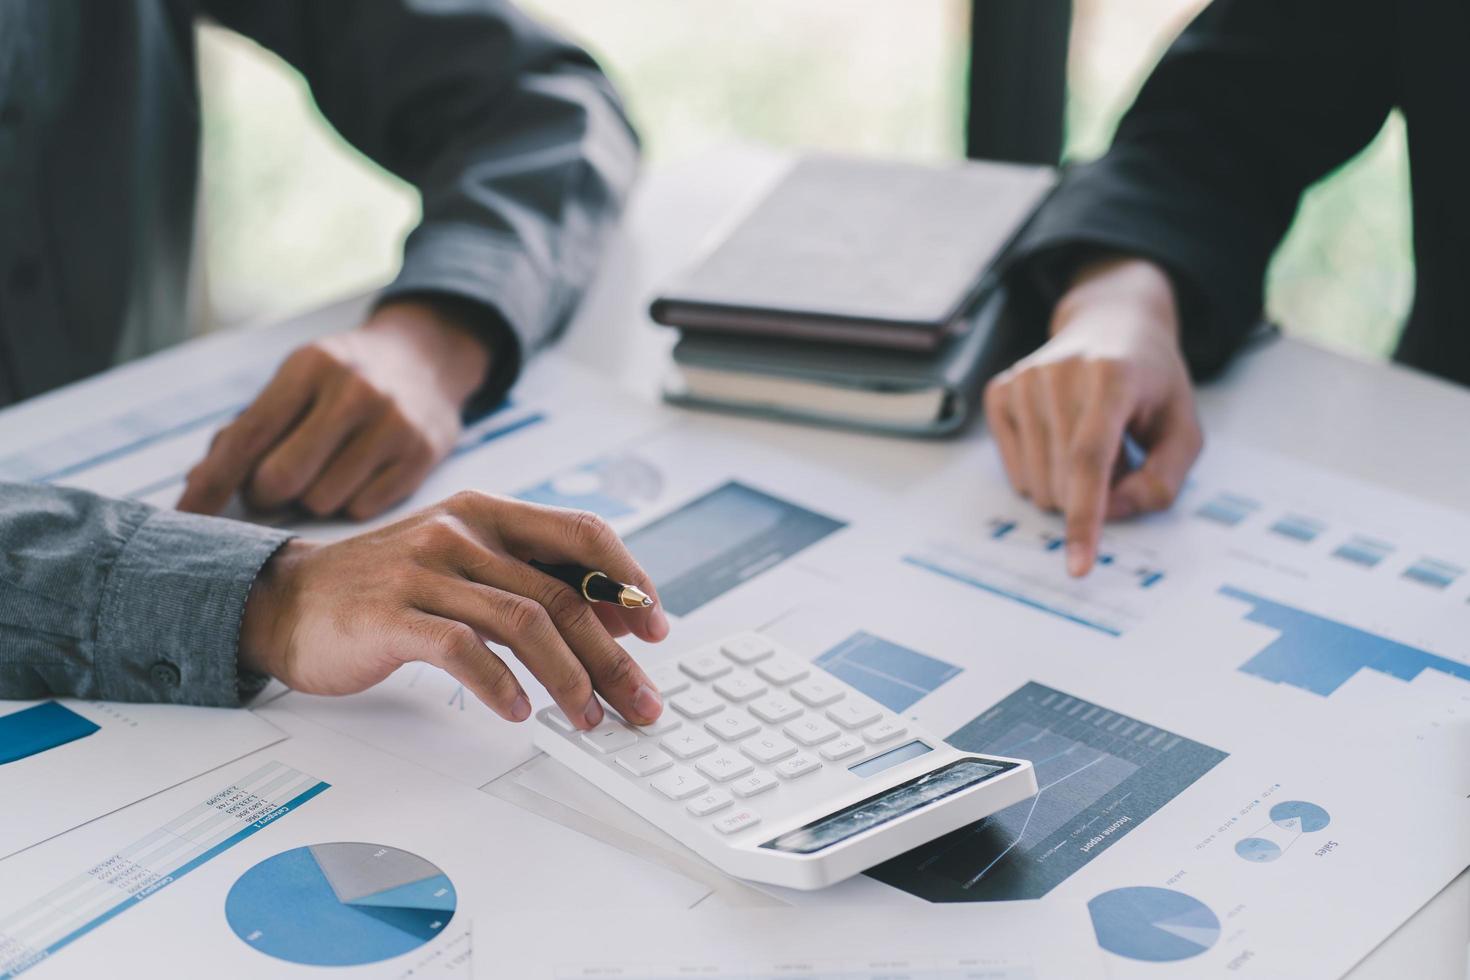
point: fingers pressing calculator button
(796, 767)
(853, 714)
(687, 743)
(842, 748)
(737, 821)
(668, 679)
(756, 782)
(679, 783)
(696, 704)
(811, 730)
(767, 749)
(643, 760)
(747, 648)
(884, 730)
(774, 708)
(705, 666)
(816, 692)
(711, 802)
(740, 687)
(724, 765)
(782, 670)
(610, 736)
(733, 725)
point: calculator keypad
(744, 719)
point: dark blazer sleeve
(514, 137)
(1254, 102)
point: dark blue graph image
(1156, 925)
(1101, 774)
(33, 730)
(894, 676)
(1320, 655)
(341, 904)
(1434, 573)
(726, 537)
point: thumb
(1172, 450)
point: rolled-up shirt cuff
(168, 625)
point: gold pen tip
(633, 597)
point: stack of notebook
(856, 292)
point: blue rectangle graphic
(893, 675)
(31, 731)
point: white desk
(1379, 423)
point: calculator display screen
(889, 805)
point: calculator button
(724, 765)
(732, 725)
(842, 748)
(796, 767)
(735, 822)
(643, 760)
(668, 679)
(774, 708)
(610, 736)
(679, 783)
(767, 749)
(740, 687)
(747, 648)
(687, 743)
(854, 714)
(817, 692)
(696, 704)
(782, 670)
(559, 720)
(711, 802)
(705, 666)
(752, 785)
(811, 730)
(884, 730)
(667, 722)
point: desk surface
(1379, 423)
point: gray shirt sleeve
(514, 137)
(116, 600)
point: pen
(595, 586)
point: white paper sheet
(1011, 941)
(131, 751)
(205, 880)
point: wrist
(265, 628)
(1127, 284)
(451, 349)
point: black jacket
(1255, 101)
(514, 137)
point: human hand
(338, 618)
(352, 422)
(1112, 366)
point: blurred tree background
(295, 217)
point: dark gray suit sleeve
(116, 600)
(1255, 101)
(514, 137)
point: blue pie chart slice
(1257, 849)
(340, 904)
(1300, 815)
(1156, 925)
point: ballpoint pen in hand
(595, 586)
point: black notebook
(859, 251)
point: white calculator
(774, 770)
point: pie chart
(1257, 849)
(1300, 815)
(340, 904)
(1156, 925)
